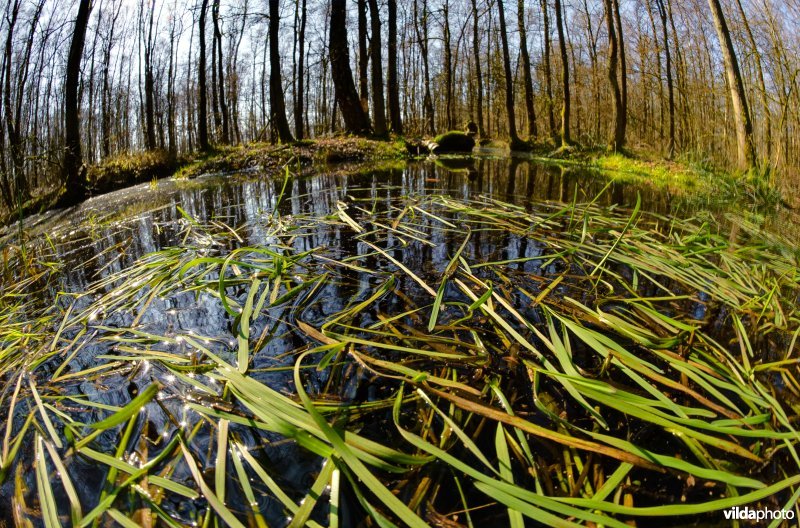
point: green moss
(674, 176)
(453, 141)
(692, 179)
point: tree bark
(592, 41)
(395, 119)
(744, 127)
(171, 71)
(299, 101)
(512, 125)
(363, 57)
(202, 101)
(548, 76)
(478, 74)
(422, 38)
(276, 103)
(378, 104)
(223, 107)
(565, 105)
(767, 118)
(448, 67)
(355, 119)
(74, 174)
(105, 113)
(662, 12)
(13, 136)
(526, 70)
(149, 82)
(623, 73)
(617, 138)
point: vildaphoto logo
(746, 513)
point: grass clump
(129, 169)
(571, 364)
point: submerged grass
(615, 367)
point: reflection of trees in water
(96, 249)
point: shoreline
(678, 177)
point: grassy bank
(697, 179)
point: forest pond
(434, 340)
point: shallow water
(111, 231)
(108, 234)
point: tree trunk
(149, 44)
(171, 144)
(617, 138)
(646, 88)
(592, 40)
(299, 102)
(7, 107)
(363, 57)
(355, 119)
(105, 113)
(422, 38)
(378, 105)
(767, 118)
(89, 154)
(74, 174)
(214, 93)
(478, 74)
(623, 73)
(276, 103)
(662, 12)
(512, 125)
(202, 97)
(744, 128)
(548, 76)
(565, 106)
(526, 70)
(448, 67)
(223, 107)
(395, 119)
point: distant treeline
(83, 81)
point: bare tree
(220, 85)
(526, 69)
(516, 142)
(617, 139)
(744, 127)
(565, 86)
(277, 105)
(392, 87)
(74, 173)
(662, 12)
(148, 44)
(202, 101)
(378, 106)
(299, 106)
(476, 56)
(421, 28)
(623, 76)
(363, 57)
(355, 119)
(548, 77)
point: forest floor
(685, 177)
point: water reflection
(110, 232)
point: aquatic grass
(486, 385)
